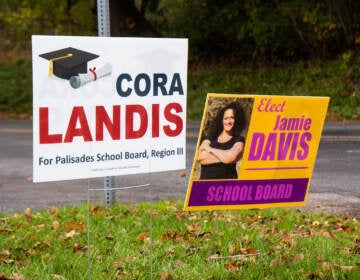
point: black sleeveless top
(221, 170)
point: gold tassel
(57, 58)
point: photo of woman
(223, 140)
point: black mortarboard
(68, 62)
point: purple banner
(244, 192)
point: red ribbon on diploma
(94, 73)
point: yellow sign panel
(255, 151)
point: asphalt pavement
(334, 186)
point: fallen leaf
(252, 251)
(313, 275)
(233, 249)
(39, 245)
(55, 225)
(278, 248)
(117, 264)
(180, 215)
(70, 226)
(5, 253)
(215, 256)
(170, 252)
(182, 174)
(194, 228)
(180, 263)
(337, 224)
(70, 234)
(251, 220)
(357, 239)
(143, 236)
(173, 236)
(17, 276)
(347, 228)
(347, 267)
(28, 212)
(165, 276)
(95, 209)
(130, 259)
(243, 251)
(141, 252)
(300, 228)
(31, 251)
(327, 234)
(229, 218)
(47, 243)
(172, 208)
(327, 265)
(109, 237)
(47, 256)
(355, 249)
(192, 217)
(192, 250)
(38, 227)
(98, 210)
(54, 210)
(298, 257)
(118, 275)
(231, 266)
(80, 248)
(57, 277)
(275, 262)
(3, 229)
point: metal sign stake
(103, 11)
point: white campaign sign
(107, 106)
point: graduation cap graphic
(68, 62)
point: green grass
(293, 244)
(16, 90)
(336, 79)
(339, 79)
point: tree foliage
(19, 19)
(259, 29)
(269, 30)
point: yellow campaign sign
(255, 151)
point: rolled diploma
(82, 79)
